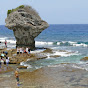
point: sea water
(59, 37)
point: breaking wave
(63, 43)
(58, 43)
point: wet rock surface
(84, 59)
(61, 76)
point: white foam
(22, 63)
(50, 43)
(11, 46)
(61, 54)
(64, 41)
(58, 43)
(37, 51)
(43, 43)
(11, 41)
(3, 38)
(82, 66)
(84, 45)
(72, 42)
(8, 41)
(28, 59)
(59, 65)
(28, 65)
(65, 54)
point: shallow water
(71, 38)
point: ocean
(70, 41)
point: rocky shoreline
(53, 76)
(17, 59)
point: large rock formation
(26, 25)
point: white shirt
(26, 49)
(18, 49)
(7, 60)
(21, 50)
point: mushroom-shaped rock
(26, 25)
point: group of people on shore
(4, 59)
(21, 50)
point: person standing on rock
(17, 76)
(7, 61)
(5, 43)
(21, 50)
(18, 50)
(27, 49)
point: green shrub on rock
(10, 11)
(22, 6)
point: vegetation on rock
(20, 7)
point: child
(7, 61)
(17, 76)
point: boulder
(48, 51)
(84, 59)
(26, 25)
(22, 67)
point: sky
(52, 11)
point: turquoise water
(70, 37)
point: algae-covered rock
(84, 59)
(26, 25)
